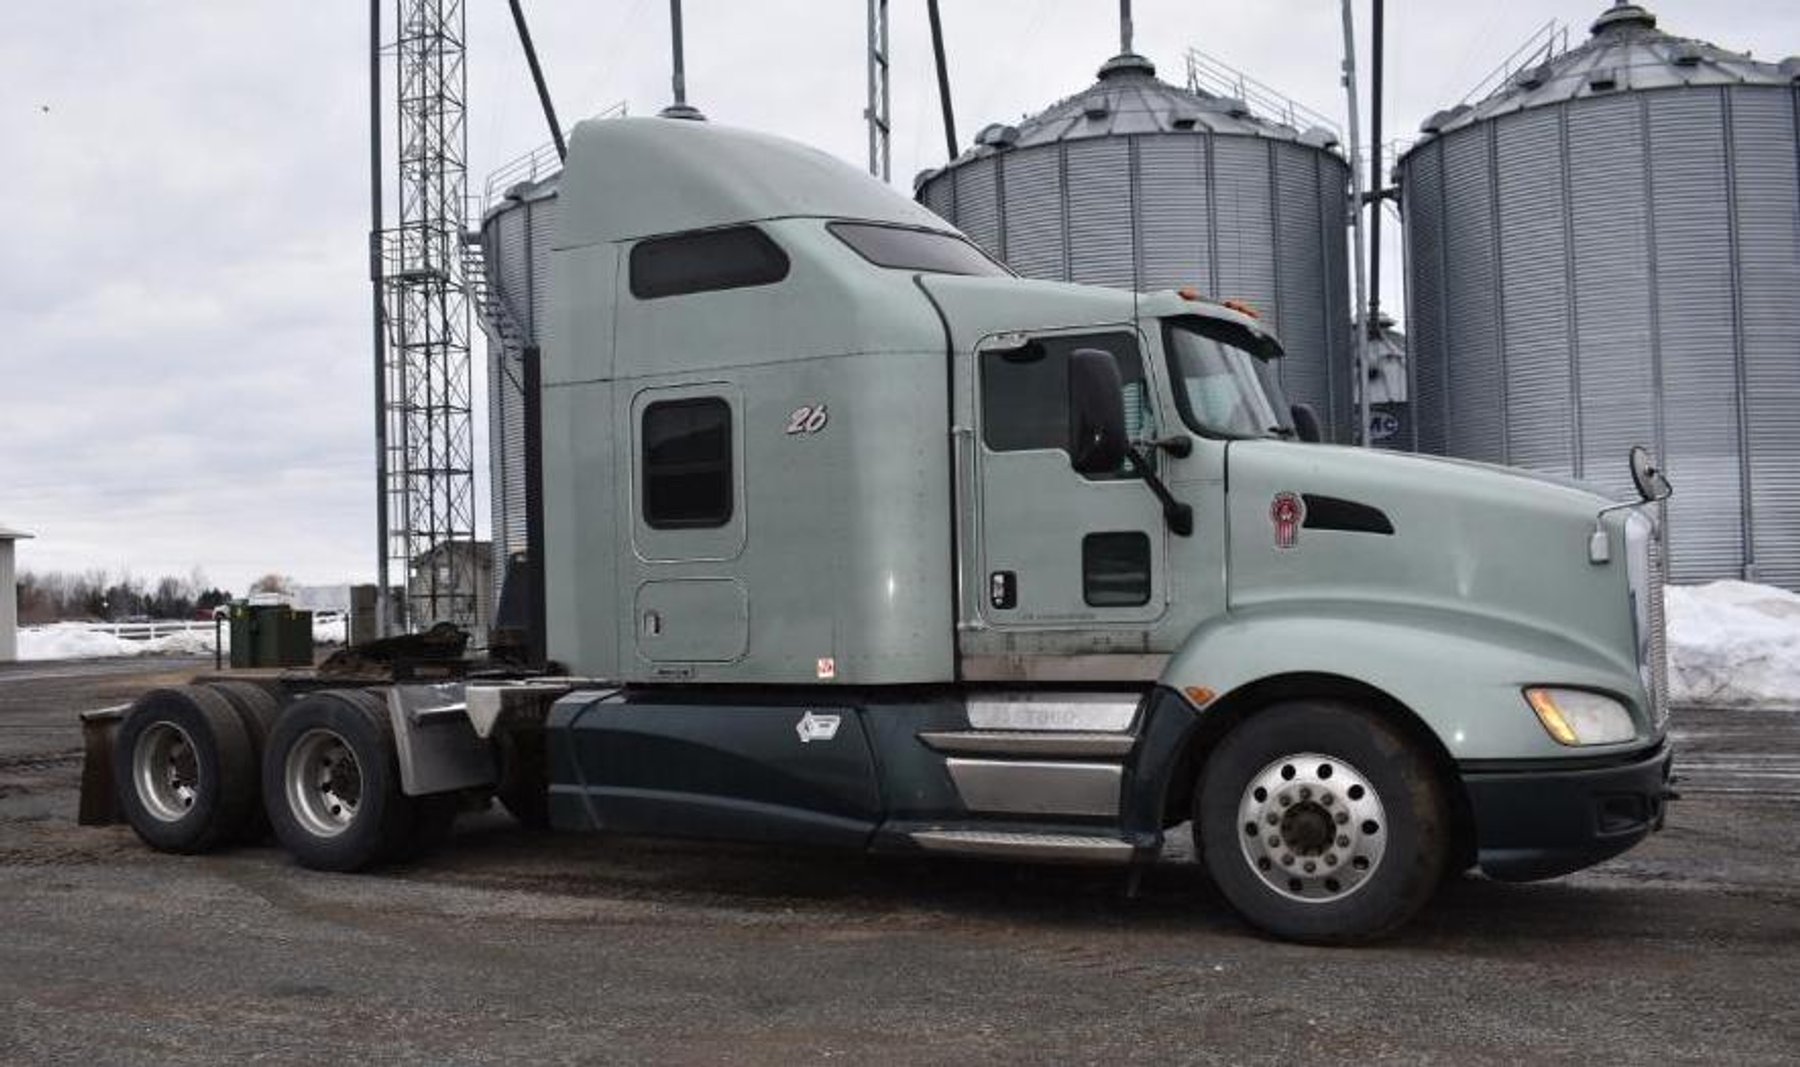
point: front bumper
(1545, 819)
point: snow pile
(329, 630)
(1733, 643)
(74, 640)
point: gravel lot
(518, 947)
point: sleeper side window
(687, 464)
(706, 260)
(1025, 392)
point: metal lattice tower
(877, 113)
(429, 481)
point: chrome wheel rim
(323, 783)
(1312, 827)
(166, 771)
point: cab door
(1070, 563)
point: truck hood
(1463, 542)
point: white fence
(150, 631)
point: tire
(1322, 823)
(185, 770)
(524, 788)
(331, 782)
(258, 709)
(256, 706)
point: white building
(9, 596)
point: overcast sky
(184, 371)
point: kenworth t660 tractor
(846, 535)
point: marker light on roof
(1243, 309)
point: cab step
(1046, 848)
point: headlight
(1578, 717)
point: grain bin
(1605, 252)
(516, 234)
(1136, 183)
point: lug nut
(1305, 793)
(1325, 799)
(1311, 866)
(1287, 860)
(1331, 859)
(1343, 841)
(1343, 817)
(1274, 841)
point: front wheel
(1320, 822)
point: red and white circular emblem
(1287, 512)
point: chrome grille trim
(1646, 568)
(1659, 648)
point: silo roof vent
(1532, 77)
(998, 135)
(1686, 54)
(1622, 16)
(1127, 64)
(1320, 137)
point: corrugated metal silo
(1606, 252)
(1134, 182)
(516, 236)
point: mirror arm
(1179, 445)
(1179, 516)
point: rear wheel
(258, 709)
(185, 770)
(1320, 822)
(331, 782)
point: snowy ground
(1730, 643)
(80, 641)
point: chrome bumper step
(1080, 744)
(1048, 848)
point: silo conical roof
(1624, 51)
(1128, 98)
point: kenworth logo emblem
(1287, 512)
(813, 727)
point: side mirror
(1306, 423)
(1645, 475)
(1097, 442)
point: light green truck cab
(892, 549)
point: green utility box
(270, 635)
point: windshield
(1219, 386)
(901, 248)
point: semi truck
(845, 535)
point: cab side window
(1025, 392)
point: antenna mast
(877, 112)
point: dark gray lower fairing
(770, 766)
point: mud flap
(99, 800)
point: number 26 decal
(807, 418)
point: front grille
(1658, 664)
